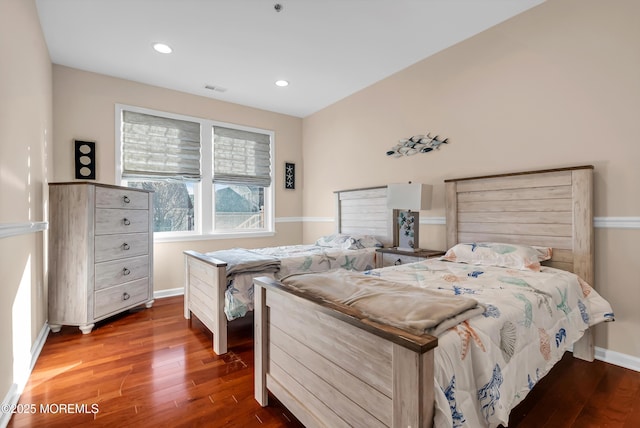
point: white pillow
(348, 242)
(544, 253)
(335, 240)
(356, 242)
(522, 257)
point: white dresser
(100, 252)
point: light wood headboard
(364, 212)
(548, 208)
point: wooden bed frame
(333, 367)
(358, 211)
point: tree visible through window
(173, 205)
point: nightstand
(393, 256)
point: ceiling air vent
(216, 88)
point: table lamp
(409, 199)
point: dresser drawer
(115, 299)
(121, 198)
(112, 247)
(399, 259)
(120, 271)
(110, 221)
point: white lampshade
(410, 196)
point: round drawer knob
(126, 271)
(397, 262)
(126, 296)
(126, 199)
(125, 246)
(126, 221)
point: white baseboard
(13, 395)
(10, 400)
(618, 359)
(38, 345)
(168, 293)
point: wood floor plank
(612, 401)
(549, 404)
(151, 367)
(634, 412)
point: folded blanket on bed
(240, 260)
(413, 309)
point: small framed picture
(289, 175)
(85, 156)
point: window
(241, 172)
(209, 178)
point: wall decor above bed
(416, 144)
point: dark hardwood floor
(149, 368)
(580, 394)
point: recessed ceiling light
(282, 83)
(162, 48)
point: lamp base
(406, 230)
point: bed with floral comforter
(335, 251)
(487, 364)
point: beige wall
(84, 109)
(556, 86)
(25, 145)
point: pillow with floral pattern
(521, 257)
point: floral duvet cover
(294, 259)
(485, 366)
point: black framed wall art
(289, 175)
(85, 156)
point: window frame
(203, 199)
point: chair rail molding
(598, 222)
(15, 229)
(617, 222)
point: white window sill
(212, 236)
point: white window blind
(241, 157)
(159, 148)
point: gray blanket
(413, 309)
(240, 260)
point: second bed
(219, 285)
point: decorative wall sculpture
(416, 144)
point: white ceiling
(326, 49)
